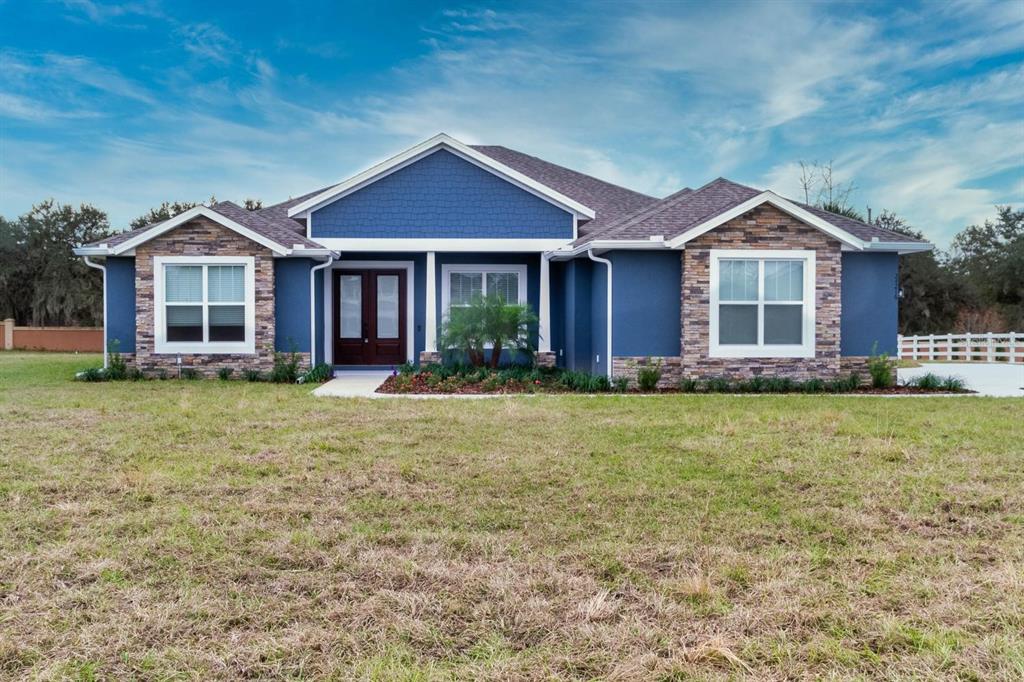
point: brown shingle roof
(608, 201)
(676, 214)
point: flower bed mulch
(421, 384)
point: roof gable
(261, 229)
(687, 214)
(441, 195)
(430, 146)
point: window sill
(232, 348)
(755, 352)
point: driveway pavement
(987, 378)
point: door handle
(366, 340)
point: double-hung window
(762, 304)
(460, 284)
(204, 304)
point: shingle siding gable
(442, 196)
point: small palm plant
(488, 320)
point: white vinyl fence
(1008, 347)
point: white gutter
(312, 308)
(652, 243)
(102, 268)
(607, 262)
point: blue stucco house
(723, 280)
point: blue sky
(127, 104)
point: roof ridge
(482, 147)
(629, 219)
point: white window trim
(160, 343)
(484, 270)
(803, 350)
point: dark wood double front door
(369, 317)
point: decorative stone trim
(859, 364)
(545, 359)
(203, 237)
(430, 357)
(627, 366)
(764, 227)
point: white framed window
(460, 283)
(204, 304)
(762, 303)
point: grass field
(173, 530)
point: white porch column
(544, 344)
(430, 326)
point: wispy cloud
(921, 107)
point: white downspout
(312, 308)
(102, 268)
(608, 316)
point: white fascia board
(191, 214)
(778, 202)
(415, 153)
(345, 244)
(609, 245)
(101, 250)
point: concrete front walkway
(999, 379)
(353, 384)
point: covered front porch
(385, 308)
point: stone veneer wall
(628, 367)
(203, 237)
(765, 227)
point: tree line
(42, 283)
(977, 285)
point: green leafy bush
(318, 374)
(252, 375)
(117, 368)
(92, 374)
(620, 384)
(880, 368)
(954, 384)
(718, 385)
(934, 382)
(648, 375)
(225, 373)
(405, 369)
(688, 385)
(189, 373)
(135, 374)
(584, 382)
(285, 369)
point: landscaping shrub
(954, 384)
(621, 384)
(117, 368)
(404, 369)
(285, 369)
(648, 375)
(92, 374)
(318, 374)
(718, 385)
(813, 386)
(189, 373)
(252, 375)
(225, 373)
(135, 374)
(880, 368)
(488, 320)
(688, 385)
(584, 382)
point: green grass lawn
(207, 529)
